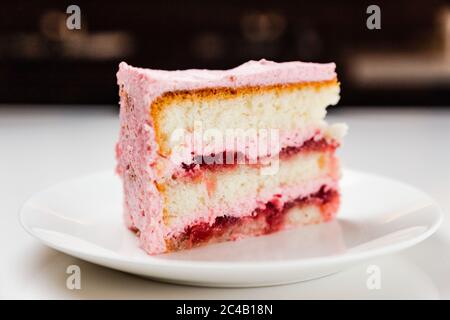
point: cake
(209, 156)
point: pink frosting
(251, 73)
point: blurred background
(407, 62)
(59, 116)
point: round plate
(83, 218)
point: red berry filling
(272, 216)
(230, 159)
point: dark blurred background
(407, 62)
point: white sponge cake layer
(288, 108)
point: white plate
(83, 218)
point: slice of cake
(208, 156)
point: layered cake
(208, 156)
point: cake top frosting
(251, 73)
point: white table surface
(42, 146)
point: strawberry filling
(271, 217)
(231, 159)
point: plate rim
(149, 260)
